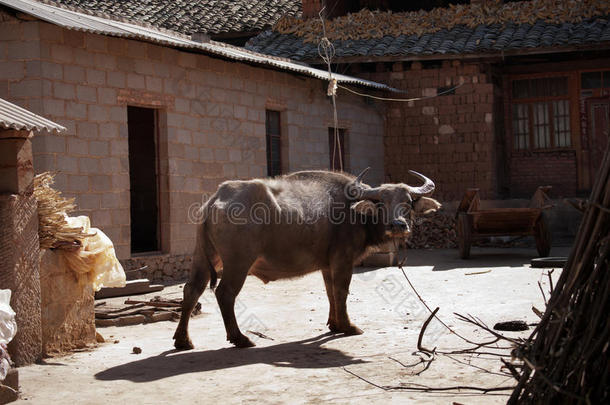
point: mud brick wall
(530, 170)
(211, 122)
(19, 272)
(449, 138)
(68, 319)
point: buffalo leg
(233, 278)
(198, 279)
(328, 283)
(341, 278)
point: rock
(99, 338)
(136, 350)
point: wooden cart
(473, 222)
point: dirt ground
(298, 361)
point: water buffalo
(291, 225)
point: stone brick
(96, 77)
(100, 182)
(25, 88)
(109, 130)
(64, 91)
(76, 110)
(21, 50)
(12, 70)
(107, 96)
(62, 53)
(98, 148)
(87, 130)
(77, 146)
(89, 165)
(73, 73)
(68, 164)
(86, 93)
(78, 183)
(89, 201)
(98, 113)
(54, 107)
(135, 81)
(116, 79)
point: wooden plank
(132, 287)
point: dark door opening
(142, 133)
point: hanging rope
(403, 99)
(326, 50)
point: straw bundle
(53, 229)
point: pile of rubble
(377, 24)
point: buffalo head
(394, 204)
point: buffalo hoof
(349, 330)
(353, 330)
(183, 344)
(242, 342)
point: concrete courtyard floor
(303, 363)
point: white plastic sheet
(96, 257)
(8, 325)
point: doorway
(143, 177)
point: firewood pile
(565, 360)
(135, 312)
(436, 231)
(368, 24)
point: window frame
(530, 103)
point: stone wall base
(160, 268)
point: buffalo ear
(364, 207)
(425, 205)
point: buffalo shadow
(306, 353)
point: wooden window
(541, 113)
(595, 80)
(337, 150)
(143, 178)
(274, 152)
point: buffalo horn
(424, 189)
(361, 176)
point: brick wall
(211, 121)
(449, 138)
(530, 170)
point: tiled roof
(14, 117)
(460, 40)
(74, 20)
(187, 17)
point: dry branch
(567, 355)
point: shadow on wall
(306, 353)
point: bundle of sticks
(565, 360)
(376, 24)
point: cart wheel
(463, 235)
(542, 233)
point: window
(595, 80)
(273, 134)
(541, 113)
(142, 134)
(336, 148)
